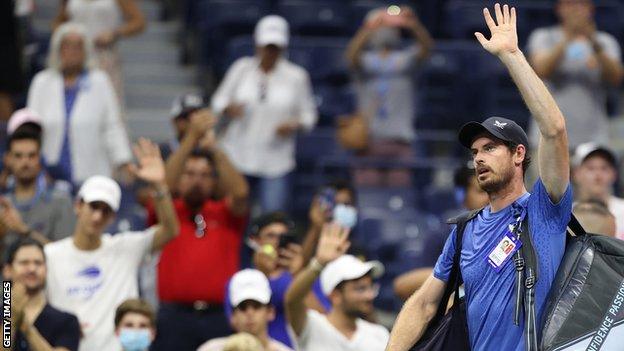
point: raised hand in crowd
(234, 110)
(11, 221)
(333, 243)
(151, 167)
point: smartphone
(327, 199)
(286, 240)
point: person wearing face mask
(135, 325)
(385, 87)
(578, 63)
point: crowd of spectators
(217, 197)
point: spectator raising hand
(334, 242)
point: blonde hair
(54, 54)
(243, 342)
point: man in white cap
(265, 100)
(250, 294)
(594, 174)
(91, 273)
(32, 205)
(349, 284)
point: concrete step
(155, 97)
(149, 124)
(159, 74)
(151, 55)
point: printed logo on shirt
(86, 283)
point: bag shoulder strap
(455, 279)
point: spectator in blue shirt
(500, 153)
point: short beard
(353, 313)
(194, 198)
(496, 185)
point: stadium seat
(333, 102)
(387, 199)
(219, 20)
(327, 18)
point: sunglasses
(200, 225)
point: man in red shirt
(195, 267)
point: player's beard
(497, 180)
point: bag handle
(455, 279)
(575, 226)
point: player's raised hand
(504, 37)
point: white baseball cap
(249, 284)
(185, 103)
(271, 29)
(101, 188)
(21, 117)
(583, 151)
(348, 267)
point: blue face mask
(135, 339)
(345, 215)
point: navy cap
(185, 104)
(501, 128)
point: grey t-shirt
(385, 90)
(51, 214)
(577, 85)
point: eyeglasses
(200, 225)
(363, 289)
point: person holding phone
(383, 70)
(278, 255)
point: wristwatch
(315, 265)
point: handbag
(353, 131)
(449, 332)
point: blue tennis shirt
(490, 295)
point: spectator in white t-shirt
(594, 174)
(250, 295)
(265, 100)
(349, 284)
(91, 273)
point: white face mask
(345, 215)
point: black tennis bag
(584, 310)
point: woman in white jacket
(82, 131)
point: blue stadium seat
(438, 201)
(333, 102)
(219, 20)
(360, 9)
(328, 18)
(463, 18)
(387, 199)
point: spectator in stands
(265, 99)
(471, 197)
(106, 21)
(195, 267)
(349, 284)
(594, 175)
(279, 258)
(384, 75)
(181, 110)
(82, 131)
(579, 63)
(595, 217)
(340, 194)
(250, 295)
(32, 205)
(36, 325)
(135, 325)
(91, 273)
